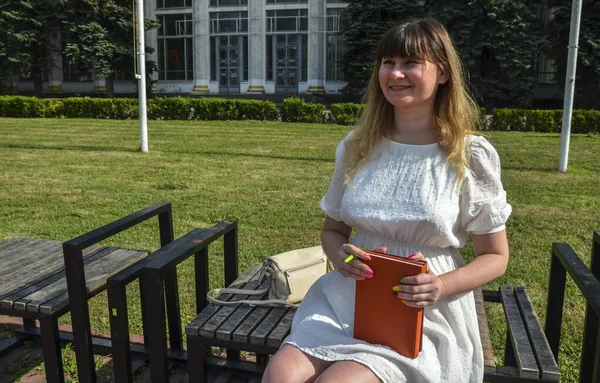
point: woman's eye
(388, 62)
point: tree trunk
(38, 86)
(110, 86)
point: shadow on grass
(206, 153)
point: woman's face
(409, 84)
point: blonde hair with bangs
(456, 114)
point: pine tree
(367, 21)
(587, 80)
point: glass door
(287, 62)
(229, 63)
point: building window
(162, 4)
(229, 49)
(335, 45)
(546, 70)
(295, 20)
(74, 73)
(175, 47)
(228, 22)
(286, 1)
(125, 71)
(224, 3)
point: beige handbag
(291, 274)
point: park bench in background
(44, 279)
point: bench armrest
(162, 209)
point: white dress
(405, 197)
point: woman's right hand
(355, 268)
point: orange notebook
(380, 317)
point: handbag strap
(250, 302)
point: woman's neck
(414, 128)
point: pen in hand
(351, 256)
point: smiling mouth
(400, 87)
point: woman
(414, 180)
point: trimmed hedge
(346, 113)
(293, 109)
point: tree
(587, 81)
(28, 30)
(498, 41)
(367, 21)
(100, 36)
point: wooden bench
(261, 330)
(44, 279)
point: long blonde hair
(456, 114)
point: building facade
(230, 47)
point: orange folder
(380, 317)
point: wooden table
(33, 286)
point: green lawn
(60, 178)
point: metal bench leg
(119, 332)
(51, 349)
(196, 360)
(154, 295)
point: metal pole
(569, 86)
(141, 76)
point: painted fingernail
(411, 256)
(369, 271)
(401, 281)
(367, 258)
(403, 301)
(361, 278)
(369, 276)
(396, 288)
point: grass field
(60, 178)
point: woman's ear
(442, 77)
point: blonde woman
(414, 180)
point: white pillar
(317, 12)
(99, 84)
(151, 38)
(565, 133)
(201, 30)
(55, 70)
(256, 46)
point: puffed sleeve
(483, 209)
(332, 201)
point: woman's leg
(290, 365)
(348, 371)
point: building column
(99, 85)
(151, 39)
(256, 46)
(55, 69)
(201, 30)
(317, 12)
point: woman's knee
(289, 364)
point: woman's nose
(398, 72)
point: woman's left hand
(420, 290)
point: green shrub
(21, 106)
(346, 113)
(295, 109)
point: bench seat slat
(484, 330)
(282, 329)
(541, 348)
(260, 334)
(194, 326)
(526, 362)
(20, 298)
(225, 332)
(96, 275)
(208, 329)
(242, 334)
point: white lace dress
(405, 197)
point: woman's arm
(490, 263)
(334, 239)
